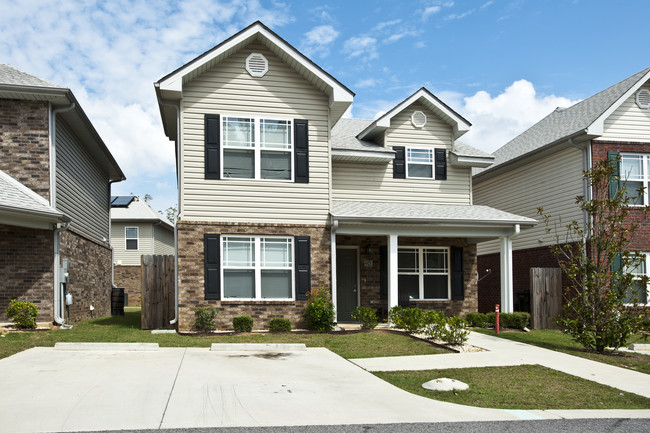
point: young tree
(171, 212)
(600, 304)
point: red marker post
(496, 310)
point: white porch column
(392, 271)
(506, 275)
(333, 266)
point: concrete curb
(124, 347)
(258, 347)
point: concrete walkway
(502, 352)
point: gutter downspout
(334, 226)
(110, 232)
(58, 292)
(178, 216)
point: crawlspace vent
(257, 65)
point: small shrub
(319, 312)
(279, 324)
(434, 323)
(456, 330)
(491, 318)
(477, 320)
(204, 319)
(24, 314)
(517, 320)
(367, 316)
(406, 318)
(242, 323)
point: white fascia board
(175, 81)
(471, 161)
(598, 126)
(436, 230)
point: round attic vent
(418, 119)
(257, 65)
(643, 98)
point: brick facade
(26, 269)
(191, 282)
(24, 143)
(89, 279)
(130, 279)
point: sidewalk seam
(171, 391)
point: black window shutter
(399, 167)
(457, 281)
(614, 181)
(303, 266)
(212, 151)
(301, 150)
(441, 164)
(383, 273)
(212, 253)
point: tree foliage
(595, 256)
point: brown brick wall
(191, 273)
(89, 279)
(26, 269)
(24, 143)
(129, 278)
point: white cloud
(318, 39)
(431, 10)
(497, 120)
(358, 46)
(366, 82)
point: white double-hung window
(257, 267)
(423, 272)
(638, 292)
(635, 174)
(419, 163)
(131, 238)
(257, 148)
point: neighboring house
(55, 181)
(136, 229)
(279, 194)
(543, 167)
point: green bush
(204, 319)
(477, 320)
(451, 330)
(24, 314)
(319, 312)
(279, 324)
(409, 319)
(517, 320)
(491, 319)
(434, 323)
(367, 316)
(242, 323)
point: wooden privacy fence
(546, 296)
(157, 291)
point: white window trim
(421, 272)
(257, 266)
(137, 238)
(257, 149)
(432, 163)
(646, 258)
(645, 176)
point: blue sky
(502, 64)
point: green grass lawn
(556, 340)
(127, 329)
(518, 387)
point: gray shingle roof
(563, 122)
(405, 212)
(12, 76)
(344, 136)
(138, 210)
(16, 197)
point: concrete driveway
(46, 389)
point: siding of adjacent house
(163, 240)
(359, 181)
(229, 89)
(82, 190)
(145, 242)
(628, 122)
(552, 182)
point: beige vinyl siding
(282, 93)
(82, 190)
(163, 239)
(145, 243)
(628, 122)
(552, 183)
(359, 181)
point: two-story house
(279, 194)
(136, 230)
(55, 182)
(543, 166)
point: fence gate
(546, 296)
(157, 291)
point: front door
(347, 296)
